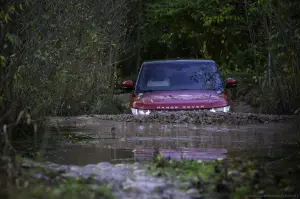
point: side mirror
(230, 83)
(128, 85)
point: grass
(53, 186)
(72, 189)
(235, 178)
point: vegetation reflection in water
(265, 139)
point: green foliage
(71, 188)
(238, 35)
(108, 105)
(61, 56)
(187, 171)
(68, 53)
(233, 178)
(194, 28)
(57, 58)
(37, 182)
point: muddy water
(262, 139)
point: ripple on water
(130, 135)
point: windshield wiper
(145, 91)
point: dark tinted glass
(176, 75)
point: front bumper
(143, 112)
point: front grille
(177, 110)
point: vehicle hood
(180, 100)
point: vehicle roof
(180, 60)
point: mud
(126, 180)
(192, 117)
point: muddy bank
(192, 117)
(204, 117)
(199, 118)
(164, 178)
(126, 180)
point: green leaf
(2, 60)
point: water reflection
(267, 138)
(83, 155)
(204, 154)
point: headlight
(140, 111)
(221, 109)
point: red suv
(176, 85)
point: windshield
(168, 76)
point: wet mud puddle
(111, 141)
